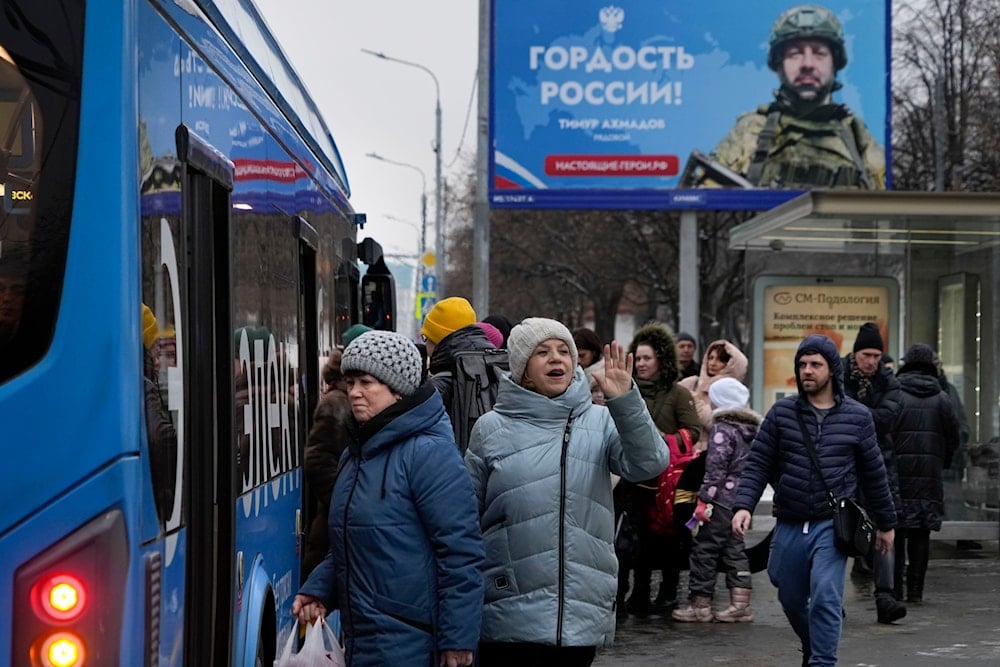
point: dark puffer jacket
(845, 445)
(885, 402)
(926, 436)
(406, 552)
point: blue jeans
(809, 571)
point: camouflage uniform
(797, 144)
(808, 151)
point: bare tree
(946, 69)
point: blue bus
(178, 255)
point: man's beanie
(869, 338)
(150, 330)
(447, 316)
(728, 393)
(526, 336)
(919, 353)
(684, 335)
(386, 355)
(356, 330)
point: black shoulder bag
(853, 530)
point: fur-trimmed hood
(659, 337)
(737, 416)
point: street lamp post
(423, 196)
(439, 266)
(421, 266)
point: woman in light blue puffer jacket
(541, 464)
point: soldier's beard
(815, 96)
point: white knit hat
(386, 355)
(526, 336)
(728, 393)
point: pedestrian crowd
(598, 465)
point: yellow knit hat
(447, 316)
(150, 330)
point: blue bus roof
(241, 25)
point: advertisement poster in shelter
(793, 307)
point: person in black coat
(926, 435)
(868, 381)
(327, 440)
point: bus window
(40, 69)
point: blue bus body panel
(79, 408)
(74, 507)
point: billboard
(789, 308)
(628, 104)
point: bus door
(308, 316)
(309, 362)
(209, 473)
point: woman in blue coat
(541, 464)
(406, 551)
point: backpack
(682, 452)
(474, 390)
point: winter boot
(697, 610)
(889, 610)
(739, 610)
(914, 585)
(638, 602)
(666, 599)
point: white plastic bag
(320, 649)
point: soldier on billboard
(803, 139)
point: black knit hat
(918, 353)
(684, 335)
(869, 338)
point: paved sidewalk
(959, 622)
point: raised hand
(617, 377)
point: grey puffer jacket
(541, 468)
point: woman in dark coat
(406, 552)
(673, 410)
(925, 436)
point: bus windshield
(41, 55)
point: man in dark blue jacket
(805, 566)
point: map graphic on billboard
(649, 104)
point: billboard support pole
(481, 222)
(688, 286)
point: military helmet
(806, 22)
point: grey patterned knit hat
(386, 355)
(526, 336)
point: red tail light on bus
(61, 597)
(68, 600)
(63, 649)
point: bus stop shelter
(943, 251)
